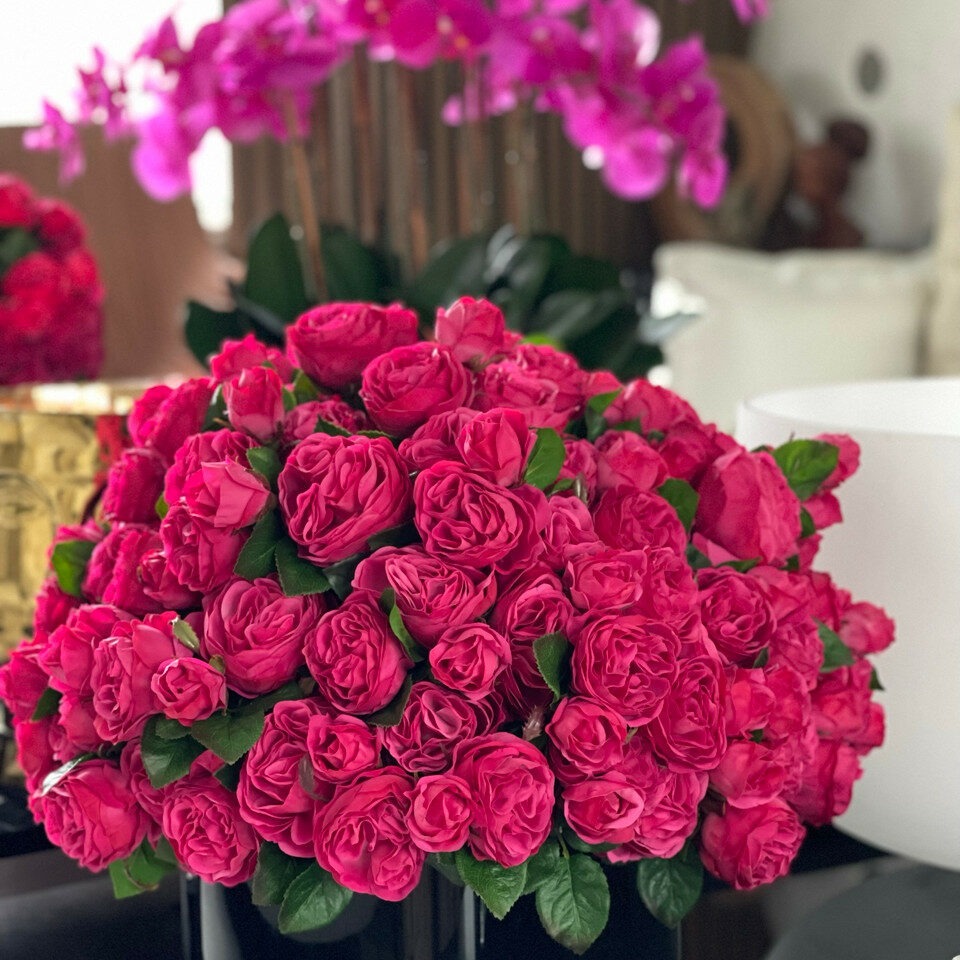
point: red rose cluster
(379, 598)
(50, 294)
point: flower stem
(416, 211)
(367, 187)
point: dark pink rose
(841, 701)
(226, 495)
(512, 789)
(334, 342)
(589, 735)
(201, 556)
(624, 458)
(544, 384)
(791, 721)
(826, 784)
(827, 601)
(51, 608)
(212, 446)
(627, 663)
(669, 592)
(163, 418)
(603, 809)
(160, 584)
(35, 741)
(606, 579)
(258, 632)
(597, 382)
(188, 689)
(747, 508)
(435, 440)
(434, 721)
(654, 408)
(735, 613)
(405, 386)
(749, 702)
(68, 657)
(352, 653)
(431, 593)
(751, 773)
(569, 529)
(747, 848)
(468, 520)
(440, 813)
(848, 459)
(632, 519)
(134, 485)
(340, 747)
(202, 821)
(796, 643)
(824, 510)
(236, 356)
(147, 795)
(474, 329)
(580, 464)
(496, 444)
(689, 732)
(302, 420)
(470, 658)
(78, 724)
(113, 573)
(866, 628)
(123, 668)
(337, 492)
(23, 680)
(363, 836)
(92, 815)
(254, 401)
(271, 793)
(688, 448)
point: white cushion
(771, 321)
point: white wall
(811, 49)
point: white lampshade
(899, 547)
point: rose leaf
(573, 902)
(670, 888)
(313, 899)
(498, 887)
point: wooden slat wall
(465, 188)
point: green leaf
(331, 429)
(161, 507)
(455, 270)
(806, 464)
(875, 683)
(835, 652)
(304, 389)
(682, 497)
(575, 842)
(546, 459)
(141, 871)
(47, 705)
(186, 634)
(313, 899)
(69, 561)
(552, 653)
(205, 329)
(229, 735)
(390, 715)
(55, 776)
(340, 574)
(15, 243)
(289, 691)
(594, 412)
(216, 415)
(298, 577)
(275, 872)
(274, 271)
(446, 864)
(807, 527)
(574, 902)
(763, 657)
(266, 462)
(229, 776)
(166, 760)
(542, 865)
(257, 556)
(401, 535)
(498, 887)
(670, 888)
(168, 729)
(388, 604)
(354, 272)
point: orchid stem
(416, 211)
(368, 198)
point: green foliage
(69, 561)
(229, 734)
(166, 760)
(15, 242)
(47, 705)
(313, 899)
(546, 459)
(388, 604)
(682, 497)
(141, 871)
(257, 556)
(670, 888)
(275, 872)
(390, 715)
(186, 635)
(498, 887)
(266, 462)
(552, 653)
(573, 902)
(835, 652)
(298, 577)
(806, 464)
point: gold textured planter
(52, 458)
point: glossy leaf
(552, 653)
(274, 271)
(670, 888)
(313, 899)
(806, 464)
(498, 887)
(275, 872)
(229, 735)
(257, 556)
(574, 902)
(69, 561)
(166, 760)
(298, 577)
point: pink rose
(626, 459)
(474, 329)
(631, 519)
(431, 593)
(405, 386)
(466, 519)
(188, 689)
(332, 343)
(569, 529)
(123, 667)
(92, 815)
(258, 632)
(841, 702)
(848, 458)
(688, 448)
(747, 848)
(627, 663)
(337, 492)
(669, 591)
(302, 420)
(352, 653)
(435, 440)
(603, 809)
(580, 464)
(434, 721)
(113, 573)
(749, 702)
(363, 836)
(68, 657)
(235, 356)
(163, 418)
(51, 608)
(35, 741)
(606, 579)
(736, 614)
(254, 401)
(23, 680)
(588, 735)
(796, 643)
(271, 793)
(747, 508)
(496, 445)
(202, 821)
(134, 485)
(440, 813)
(147, 795)
(866, 628)
(512, 789)
(160, 584)
(470, 658)
(201, 556)
(211, 446)
(750, 773)
(826, 784)
(655, 408)
(341, 747)
(226, 495)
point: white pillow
(772, 321)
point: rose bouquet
(379, 602)
(50, 294)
